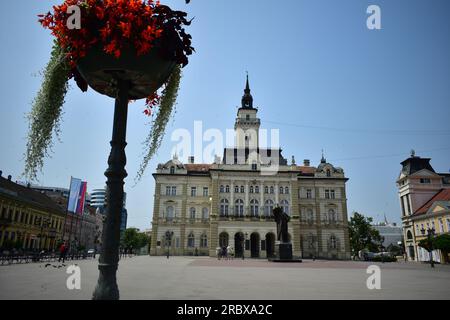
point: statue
(282, 220)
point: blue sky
(316, 72)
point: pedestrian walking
(62, 252)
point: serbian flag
(81, 198)
(75, 185)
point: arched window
(223, 239)
(170, 213)
(409, 235)
(172, 170)
(328, 173)
(268, 208)
(331, 216)
(191, 240)
(239, 208)
(205, 213)
(271, 190)
(281, 190)
(285, 206)
(254, 208)
(333, 242)
(192, 213)
(310, 216)
(242, 189)
(266, 189)
(286, 190)
(221, 189)
(256, 189)
(227, 189)
(236, 189)
(251, 189)
(224, 208)
(204, 241)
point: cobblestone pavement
(208, 278)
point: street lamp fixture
(430, 234)
(169, 235)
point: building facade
(80, 230)
(199, 207)
(423, 194)
(29, 219)
(391, 233)
(99, 201)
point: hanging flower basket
(141, 41)
(146, 73)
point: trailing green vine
(45, 116)
(156, 135)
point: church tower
(247, 123)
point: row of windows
(331, 216)
(432, 226)
(254, 207)
(253, 189)
(170, 213)
(26, 218)
(172, 191)
(194, 191)
(333, 241)
(329, 194)
(191, 241)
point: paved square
(202, 278)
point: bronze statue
(282, 220)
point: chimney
(306, 163)
(9, 178)
(191, 160)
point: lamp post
(169, 235)
(244, 239)
(430, 234)
(210, 205)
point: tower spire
(247, 86)
(323, 160)
(247, 99)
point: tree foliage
(362, 234)
(132, 238)
(441, 242)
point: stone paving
(202, 278)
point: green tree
(442, 242)
(132, 238)
(426, 243)
(362, 234)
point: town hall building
(199, 207)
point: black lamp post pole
(107, 288)
(430, 234)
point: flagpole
(67, 211)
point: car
(91, 251)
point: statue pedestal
(283, 253)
